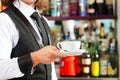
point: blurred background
(96, 24)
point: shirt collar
(24, 8)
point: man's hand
(46, 55)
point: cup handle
(59, 45)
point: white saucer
(73, 53)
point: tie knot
(35, 15)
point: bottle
(73, 7)
(59, 8)
(53, 8)
(86, 35)
(100, 7)
(109, 7)
(65, 8)
(111, 31)
(92, 7)
(83, 7)
(102, 31)
(76, 32)
(93, 37)
(86, 62)
(95, 63)
(103, 62)
(110, 34)
(66, 36)
(112, 61)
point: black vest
(27, 43)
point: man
(25, 54)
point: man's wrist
(35, 60)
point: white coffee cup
(69, 46)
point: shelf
(79, 78)
(81, 18)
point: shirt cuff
(25, 64)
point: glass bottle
(92, 7)
(65, 8)
(109, 7)
(111, 34)
(102, 31)
(73, 7)
(100, 7)
(111, 31)
(95, 62)
(59, 8)
(53, 8)
(76, 32)
(93, 37)
(112, 61)
(86, 62)
(83, 7)
(103, 62)
(86, 35)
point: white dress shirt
(9, 37)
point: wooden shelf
(81, 18)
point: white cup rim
(62, 42)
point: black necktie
(41, 28)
